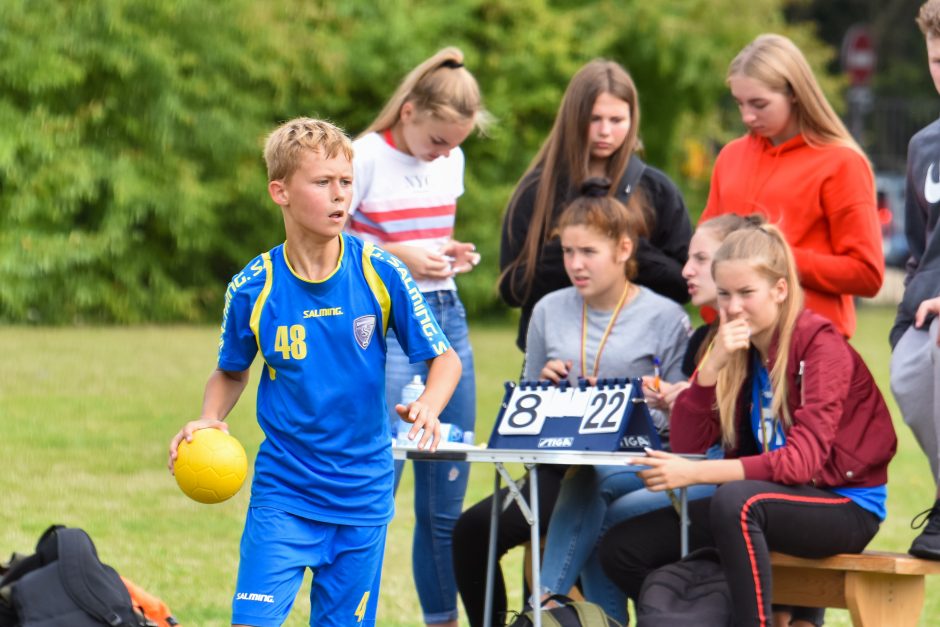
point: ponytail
(440, 86)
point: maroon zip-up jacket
(841, 435)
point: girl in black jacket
(594, 135)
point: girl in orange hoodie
(799, 166)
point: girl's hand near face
(555, 370)
(733, 336)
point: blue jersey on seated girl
(604, 325)
(806, 432)
(591, 501)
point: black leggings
(471, 543)
(745, 520)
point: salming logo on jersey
(323, 312)
(420, 308)
(254, 596)
(418, 304)
(237, 281)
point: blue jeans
(439, 486)
(592, 500)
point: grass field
(86, 414)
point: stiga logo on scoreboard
(636, 441)
(556, 442)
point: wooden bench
(879, 589)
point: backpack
(690, 592)
(570, 613)
(64, 584)
(150, 606)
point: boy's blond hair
(286, 145)
(928, 19)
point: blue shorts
(276, 549)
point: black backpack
(64, 584)
(570, 613)
(691, 592)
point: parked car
(890, 186)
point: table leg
(491, 553)
(536, 545)
(684, 520)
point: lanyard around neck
(610, 326)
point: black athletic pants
(472, 536)
(745, 520)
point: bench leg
(878, 599)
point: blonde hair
(928, 18)
(766, 251)
(605, 214)
(719, 228)
(727, 223)
(440, 86)
(286, 145)
(565, 159)
(775, 61)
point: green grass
(86, 415)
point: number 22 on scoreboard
(605, 412)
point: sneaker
(927, 544)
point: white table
(531, 459)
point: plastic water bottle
(449, 432)
(412, 390)
(409, 394)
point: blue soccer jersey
(321, 398)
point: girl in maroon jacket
(806, 432)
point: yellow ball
(212, 467)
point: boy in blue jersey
(317, 308)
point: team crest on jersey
(363, 329)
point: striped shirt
(399, 199)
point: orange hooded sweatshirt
(823, 200)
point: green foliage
(131, 181)
(129, 166)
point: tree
(131, 181)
